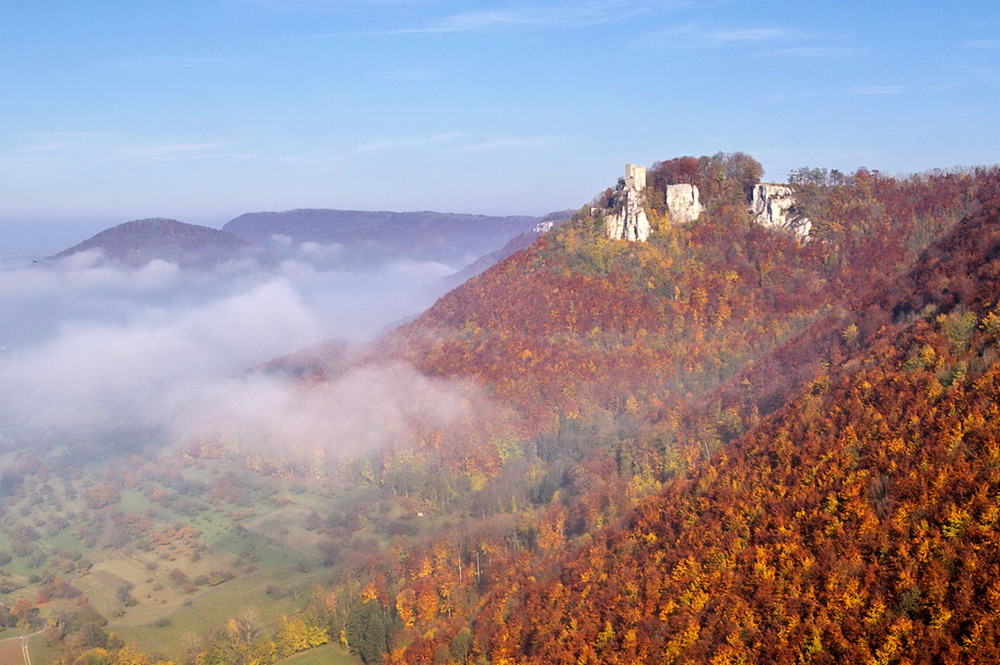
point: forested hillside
(859, 523)
(721, 445)
(632, 366)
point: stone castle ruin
(635, 177)
(772, 206)
(626, 220)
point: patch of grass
(285, 525)
(327, 654)
(101, 586)
(134, 501)
(40, 651)
(10, 632)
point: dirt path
(14, 650)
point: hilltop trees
(723, 179)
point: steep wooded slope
(579, 323)
(611, 501)
(633, 393)
(859, 523)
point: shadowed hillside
(371, 237)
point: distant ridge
(136, 243)
(381, 235)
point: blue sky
(201, 110)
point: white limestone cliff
(683, 205)
(628, 220)
(773, 206)
(543, 227)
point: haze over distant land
(202, 110)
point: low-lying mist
(93, 352)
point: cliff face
(773, 206)
(627, 219)
(629, 222)
(683, 205)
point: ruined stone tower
(627, 219)
(635, 177)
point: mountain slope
(136, 243)
(631, 365)
(579, 324)
(641, 481)
(858, 524)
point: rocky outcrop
(627, 219)
(773, 206)
(683, 205)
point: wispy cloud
(975, 76)
(177, 62)
(557, 16)
(412, 142)
(82, 147)
(407, 75)
(513, 143)
(692, 36)
(881, 90)
(172, 150)
(330, 5)
(459, 141)
(773, 40)
(744, 35)
(823, 51)
(983, 44)
(57, 140)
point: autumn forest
(721, 445)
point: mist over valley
(699, 363)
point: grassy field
(215, 606)
(166, 552)
(10, 632)
(38, 649)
